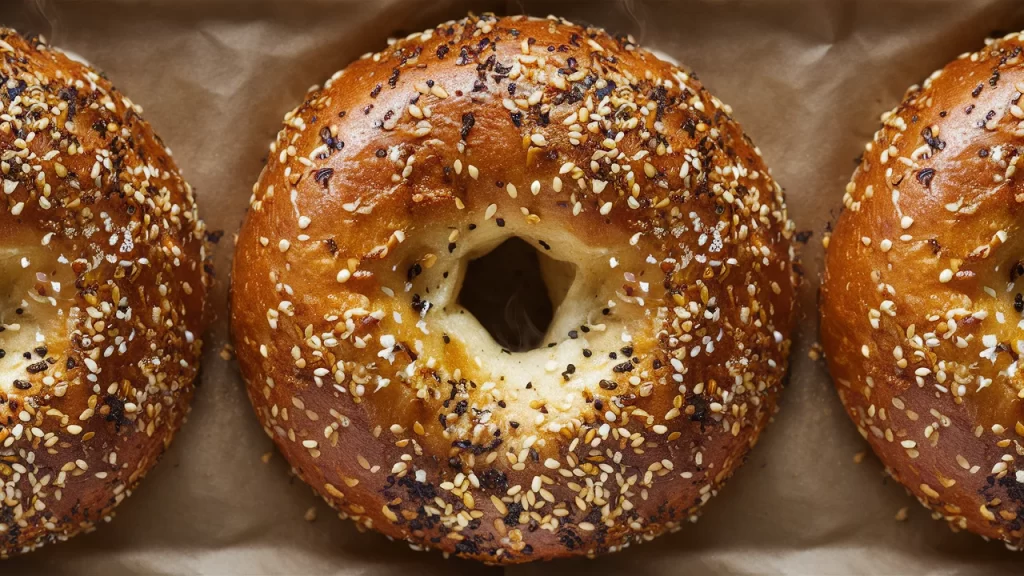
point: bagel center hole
(32, 308)
(514, 291)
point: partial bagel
(922, 318)
(102, 290)
(663, 240)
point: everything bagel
(103, 284)
(922, 307)
(662, 242)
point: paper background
(807, 79)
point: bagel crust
(102, 288)
(665, 356)
(921, 309)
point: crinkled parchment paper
(808, 79)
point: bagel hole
(32, 308)
(514, 292)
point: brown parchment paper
(808, 79)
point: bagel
(102, 290)
(921, 306)
(424, 182)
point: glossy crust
(102, 286)
(921, 304)
(666, 354)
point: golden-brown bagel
(664, 243)
(102, 287)
(921, 305)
